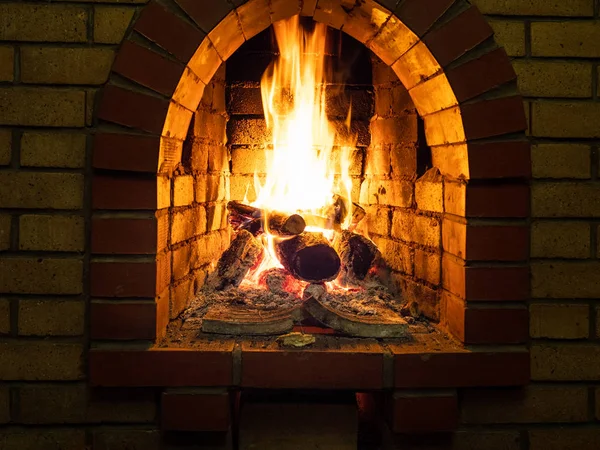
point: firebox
(253, 225)
(313, 150)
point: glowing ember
(303, 171)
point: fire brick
(183, 190)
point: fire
(307, 160)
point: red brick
(358, 366)
(496, 325)
(125, 236)
(511, 159)
(130, 279)
(488, 118)
(113, 192)
(499, 283)
(497, 201)
(207, 14)
(170, 32)
(147, 68)
(195, 411)
(458, 36)
(424, 412)
(119, 320)
(419, 19)
(460, 369)
(126, 152)
(206, 365)
(133, 109)
(486, 243)
(481, 75)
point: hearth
(436, 159)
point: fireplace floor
(370, 311)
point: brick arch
(443, 57)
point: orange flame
(301, 162)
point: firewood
(357, 254)
(244, 253)
(332, 217)
(280, 281)
(383, 322)
(243, 216)
(358, 214)
(254, 226)
(309, 257)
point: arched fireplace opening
(451, 221)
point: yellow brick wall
(55, 55)
(555, 48)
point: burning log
(280, 281)
(280, 224)
(309, 257)
(357, 254)
(358, 214)
(244, 253)
(334, 215)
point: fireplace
(371, 164)
(440, 167)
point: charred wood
(244, 253)
(382, 322)
(243, 216)
(357, 254)
(309, 257)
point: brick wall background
(54, 57)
